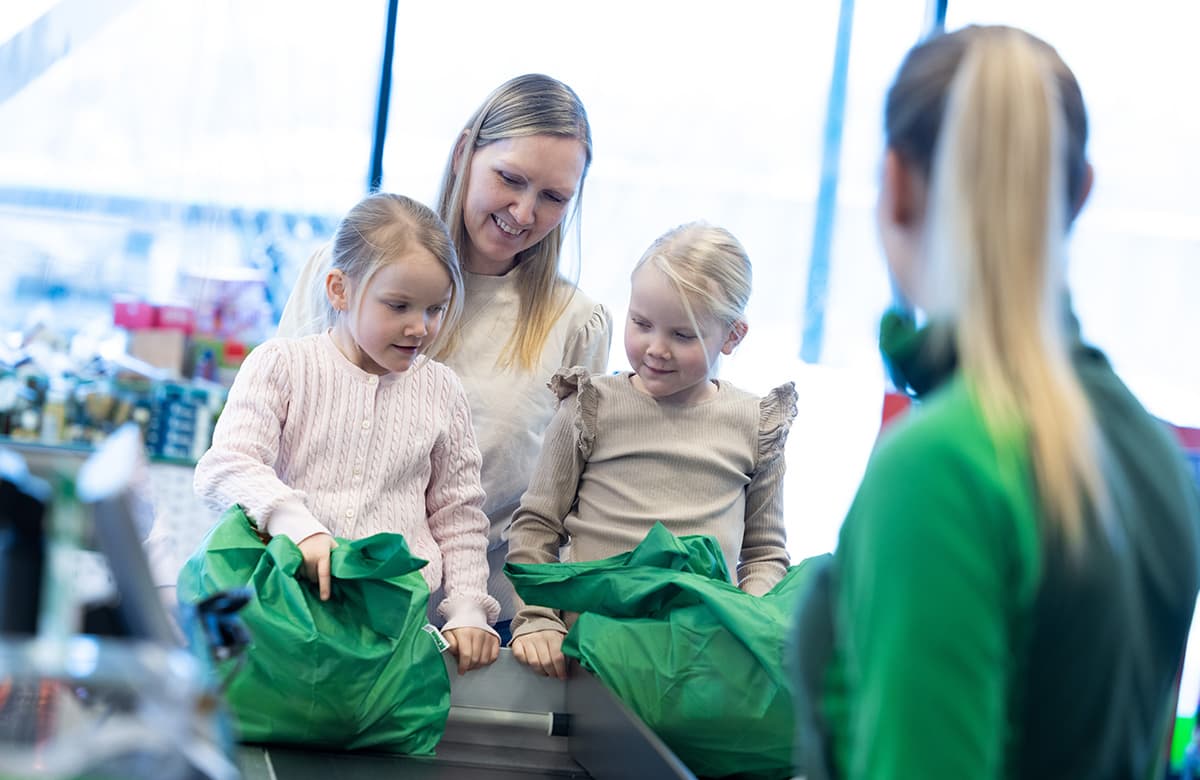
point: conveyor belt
(497, 731)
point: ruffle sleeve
(577, 382)
(589, 345)
(776, 412)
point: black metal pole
(375, 177)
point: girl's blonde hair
(527, 105)
(996, 119)
(709, 268)
(383, 228)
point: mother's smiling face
(517, 191)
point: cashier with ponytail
(1014, 582)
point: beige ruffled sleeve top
(616, 460)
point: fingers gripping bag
(353, 672)
(699, 661)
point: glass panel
(1135, 271)
(177, 144)
(858, 288)
(187, 155)
(699, 110)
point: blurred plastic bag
(356, 671)
(699, 661)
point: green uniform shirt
(966, 641)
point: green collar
(919, 359)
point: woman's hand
(315, 550)
(542, 652)
(473, 647)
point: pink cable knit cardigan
(308, 442)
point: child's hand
(473, 647)
(315, 550)
(542, 652)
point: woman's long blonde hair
(527, 105)
(1006, 171)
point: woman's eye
(509, 179)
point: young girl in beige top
(664, 442)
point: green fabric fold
(353, 672)
(699, 661)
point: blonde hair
(527, 105)
(709, 268)
(1005, 152)
(383, 228)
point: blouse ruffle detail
(577, 381)
(776, 412)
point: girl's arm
(764, 558)
(239, 468)
(537, 530)
(454, 501)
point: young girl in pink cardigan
(356, 430)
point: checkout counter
(136, 704)
(506, 723)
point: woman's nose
(523, 209)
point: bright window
(162, 149)
(1135, 255)
(699, 110)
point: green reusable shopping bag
(699, 661)
(356, 671)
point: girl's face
(517, 191)
(669, 360)
(395, 316)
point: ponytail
(998, 215)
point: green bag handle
(647, 581)
(378, 566)
(383, 556)
(378, 557)
(379, 571)
(662, 549)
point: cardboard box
(162, 347)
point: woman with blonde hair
(1013, 584)
(515, 174)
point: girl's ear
(737, 332)
(460, 152)
(337, 289)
